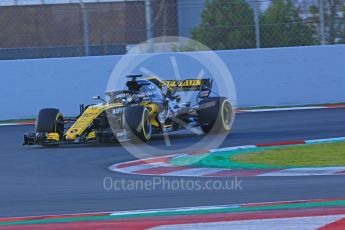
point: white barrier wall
(277, 76)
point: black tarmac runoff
(69, 179)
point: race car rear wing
(189, 84)
(183, 85)
(204, 86)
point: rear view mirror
(98, 98)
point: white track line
(233, 148)
(193, 172)
(135, 168)
(305, 171)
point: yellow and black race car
(147, 106)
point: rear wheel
(49, 120)
(137, 119)
(215, 115)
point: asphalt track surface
(69, 179)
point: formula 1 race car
(145, 107)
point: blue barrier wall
(275, 76)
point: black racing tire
(215, 115)
(49, 120)
(137, 119)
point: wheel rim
(59, 127)
(226, 115)
(147, 129)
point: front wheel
(215, 115)
(49, 120)
(137, 119)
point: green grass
(16, 120)
(295, 156)
(322, 155)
